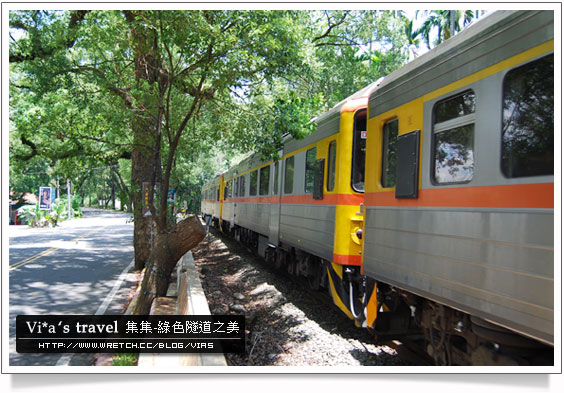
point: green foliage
(351, 55)
(35, 217)
(57, 213)
(125, 359)
(28, 213)
(216, 84)
(76, 204)
(27, 177)
(446, 23)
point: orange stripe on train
(328, 199)
(524, 196)
(340, 259)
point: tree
(412, 38)
(446, 22)
(353, 49)
(165, 67)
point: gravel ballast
(287, 324)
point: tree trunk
(113, 196)
(145, 168)
(145, 155)
(168, 249)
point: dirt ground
(287, 324)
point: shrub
(33, 216)
(27, 213)
(58, 212)
(76, 203)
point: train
(423, 203)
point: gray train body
(498, 262)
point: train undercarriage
(442, 335)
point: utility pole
(69, 198)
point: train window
(253, 180)
(389, 153)
(528, 120)
(454, 107)
(264, 180)
(359, 151)
(217, 193)
(310, 170)
(276, 165)
(242, 186)
(453, 135)
(332, 160)
(236, 187)
(289, 175)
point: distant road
(70, 269)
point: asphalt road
(79, 267)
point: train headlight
(356, 235)
(359, 233)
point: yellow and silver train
(424, 203)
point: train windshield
(359, 151)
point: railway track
(410, 352)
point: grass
(125, 359)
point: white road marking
(66, 358)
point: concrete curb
(184, 297)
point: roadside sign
(45, 198)
(145, 189)
(171, 195)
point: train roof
(494, 38)
(328, 123)
(336, 110)
(212, 182)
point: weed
(125, 359)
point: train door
(235, 194)
(275, 203)
(220, 199)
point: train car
(424, 202)
(302, 210)
(211, 197)
(227, 210)
(460, 191)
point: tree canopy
(240, 79)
